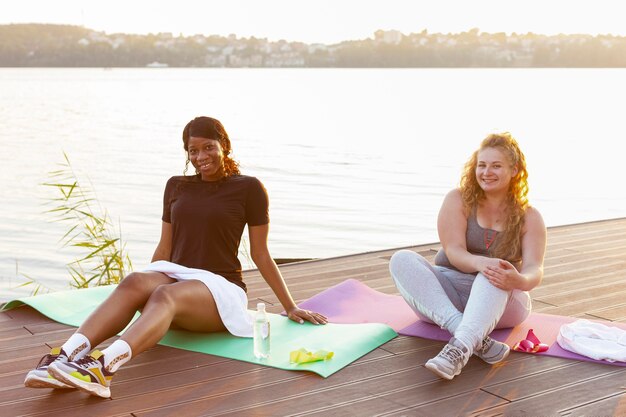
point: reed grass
(104, 258)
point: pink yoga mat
(354, 302)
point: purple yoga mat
(354, 302)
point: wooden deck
(585, 276)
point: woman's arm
(452, 227)
(262, 259)
(163, 250)
(534, 241)
(505, 276)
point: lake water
(353, 159)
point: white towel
(593, 340)
(231, 300)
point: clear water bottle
(261, 333)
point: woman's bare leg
(110, 317)
(187, 304)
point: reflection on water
(353, 159)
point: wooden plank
(587, 277)
(596, 289)
(556, 265)
(26, 315)
(196, 390)
(403, 344)
(539, 306)
(539, 383)
(401, 390)
(567, 397)
(459, 405)
(50, 326)
(12, 333)
(589, 250)
(581, 306)
(295, 270)
(265, 401)
(320, 266)
(613, 313)
(29, 359)
(393, 404)
(571, 240)
(27, 339)
(614, 405)
(12, 354)
(441, 397)
(329, 279)
(602, 227)
(590, 225)
(126, 382)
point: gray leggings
(467, 305)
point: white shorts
(231, 300)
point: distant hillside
(43, 45)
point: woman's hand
(483, 263)
(503, 275)
(299, 315)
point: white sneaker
(449, 362)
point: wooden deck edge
(373, 252)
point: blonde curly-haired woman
(493, 246)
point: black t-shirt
(208, 219)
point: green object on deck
(348, 341)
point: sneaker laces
(486, 345)
(47, 360)
(452, 353)
(86, 361)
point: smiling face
(207, 156)
(493, 170)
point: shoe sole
(34, 381)
(88, 387)
(493, 362)
(434, 369)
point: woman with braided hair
(194, 281)
(493, 245)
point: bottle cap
(260, 306)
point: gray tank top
(478, 240)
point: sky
(323, 21)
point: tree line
(46, 45)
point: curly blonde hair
(509, 242)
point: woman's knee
(133, 281)
(143, 283)
(401, 258)
(179, 295)
(482, 282)
(163, 295)
(404, 264)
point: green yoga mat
(348, 341)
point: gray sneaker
(449, 362)
(492, 351)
